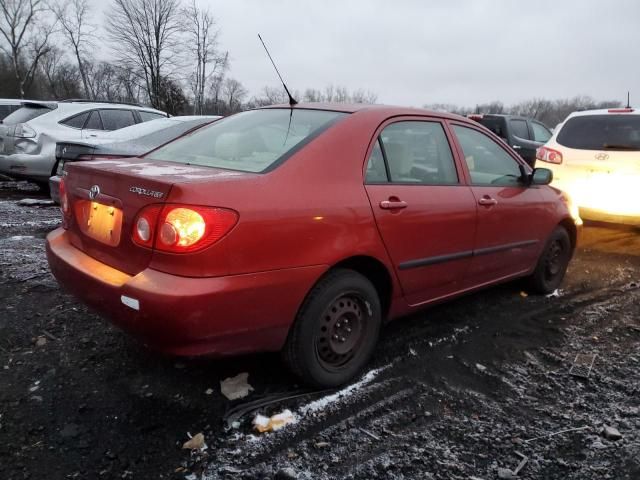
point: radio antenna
(292, 101)
(628, 104)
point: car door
(512, 218)
(425, 214)
(521, 140)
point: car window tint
(94, 122)
(601, 132)
(252, 141)
(418, 152)
(376, 171)
(540, 132)
(488, 163)
(115, 119)
(25, 114)
(76, 121)
(146, 116)
(520, 128)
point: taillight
(549, 155)
(182, 228)
(145, 225)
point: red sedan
(303, 229)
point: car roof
(383, 110)
(606, 111)
(62, 110)
(10, 101)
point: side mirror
(541, 176)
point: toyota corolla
(303, 229)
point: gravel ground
(464, 390)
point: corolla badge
(146, 192)
(602, 156)
(94, 191)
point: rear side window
(94, 122)
(5, 110)
(146, 116)
(25, 114)
(415, 152)
(540, 132)
(252, 141)
(496, 125)
(76, 121)
(488, 163)
(113, 119)
(520, 128)
(601, 132)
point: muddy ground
(457, 392)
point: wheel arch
(570, 226)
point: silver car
(29, 135)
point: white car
(595, 158)
(28, 136)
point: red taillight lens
(182, 228)
(549, 155)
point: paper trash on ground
(273, 423)
(236, 387)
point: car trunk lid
(105, 197)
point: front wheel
(335, 331)
(553, 262)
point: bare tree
(72, 15)
(201, 29)
(234, 93)
(26, 36)
(145, 36)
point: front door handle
(516, 147)
(487, 201)
(393, 204)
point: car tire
(335, 331)
(553, 262)
(43, 187)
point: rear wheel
(553, 262)
(336, 330)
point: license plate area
(100, 222)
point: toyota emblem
(94, 191)
(602, 156)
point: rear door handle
(393, 204)
(516, 147)
(487, 201)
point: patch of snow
(35, 201)
(16, 238)
(323, 402)
(555, 293)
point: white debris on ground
(35, 201)
(323, 402)
(236, 387)
(17, 238)
(195, 442)
(267, 424)
(555, 293)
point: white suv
(595, 158)
(28, 136)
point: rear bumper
(186, 316)
(32, 167)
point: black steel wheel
(335, 331)
(553, 262)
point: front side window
(488, 163)
(252, 141)
(540, 132)
(520, 128)
(113, 119)
(415, 152)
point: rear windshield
(495, 125)
(25, 114)
(253, 141)
(601, 132)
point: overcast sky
(412, 52)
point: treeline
(164, 53)
(549, 112)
